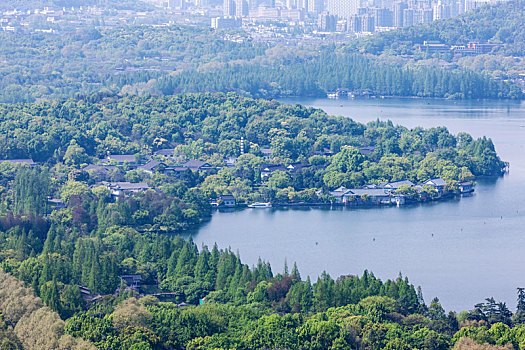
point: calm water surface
(461, 251)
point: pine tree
(49, 242)
(172, 265)
(202, 266)
(285, 269)
(295, 271)
(51, 296)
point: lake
(461, 251)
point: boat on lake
(260, 205)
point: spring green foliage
(329, 71)
(30, 191)
(96, 238)
(105, 60)
(91, 59)
(207, 126)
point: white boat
(260, 205)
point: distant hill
(499, 23)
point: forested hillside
(123, 59)
(170, 60)
(331, 71)
(501, 23)
(113, 265)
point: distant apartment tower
(423, 16)
(362, 11)
(241, 8)
(315, 6)
(354, 24)
(441, 11)
(326, 22)
(341, 25)
(343, 8)
(408, 17)
(302, 5)
(399, 7)
(420, 4)
(266, 3)
(472, 4)
(383, 17)
(294, 15)
(228, 8)
(367, 23)
(176, 4)
(226, 22)
(268, 12)
(461, 7)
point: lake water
(461, 251)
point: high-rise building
(367, 23)
(423, 16)
(354, 24)
(326, 22)
(241, 8)
(408, 17)
(342, 8)
(340, 26)
(302, 4)
(398, 14)
(441, 10)
(315, 6)
(228, 8)
(472, 4)
(176, 4)
(202, 3)
(461, 6)
(226, 22)
(291, 4)
(383, 17)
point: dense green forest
(208, 127)
(330, 71)
(169, 60)
(191, 297)
(122, 59)
(84, 266)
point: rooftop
(122, 158)
(151, 165)
(373, 192)
(397, 184)
(167, 152)
(195, 164)
(436, 182)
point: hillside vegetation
(170, 60)
(501, 23)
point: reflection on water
(460, 250)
